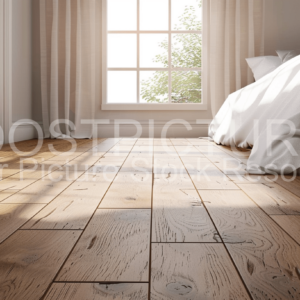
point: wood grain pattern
(228, 164)
(199, 142)
(194, 271)
(15, 184)
(7, 193)
(291, 224)
(290, 183)
(208, 176)
(272, 198)
(42, 191)
(251, 179)
(70, 210)
(160, 142)
(120, 150)
(7, 170)
(267, 258)
(140, 150)
(167, 183)
(180, 142)
(13, 216)
(107, 166)
(194, 160)
(188, 151)
(98, 291)
(64, 175)
(164, 151)
(137, 164)
(211, 150)
(144, 142)
(111, 261)
(30, 260)
(129, 190)
(105, 159)
(114, 248)
(105, 145)
(172, 165)
(179, 216)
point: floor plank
(129, 190)
(30, 260)
(42, 191)
(138, 164)
(179, 216)
(273, 199)
(267, 258)
(142, 151)
(180, 142)
(291, 224)
(13, 216)
(290, 183)
(194, 271)
(228, 164)
(119, 239)
(199, 142)
(70, 210)
(169, 166)
(251, 179)
(206, 176)
(15, 184)
(7, 193)
(111, 260)
(98, 291)
(167, 183)
(188, 151)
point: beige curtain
(68, 46)
(232, 31)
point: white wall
(282, 29)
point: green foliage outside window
(186, 53)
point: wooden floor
(145, 219)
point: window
(152, 54)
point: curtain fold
(68, 47)
(233, 30)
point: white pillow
(286, 55)
(263, 65)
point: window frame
(138, 32)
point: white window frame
(144, 106)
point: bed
(264, 116)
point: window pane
(153, 50)
(121, 15)
(186, 14)
(186, 50)
(186, 87)
(154, 15)
(121, 51)
(154, 87)
(121, 87)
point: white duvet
(266, 117)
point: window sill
(153, 106)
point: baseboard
(200, 128)
(24, 132)
(174, 131)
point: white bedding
(266, 116)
